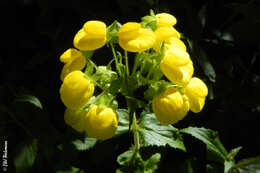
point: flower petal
(165, 19)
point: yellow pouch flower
(91, 37)
(133, 38)
(177, 66)
(164, 33)
(69, 55)
(170, 107)
(165, 19)
(196, 91)
(76, 90)
(76, 119)
(73, 60)
(169, 43)
(101, 122)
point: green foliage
(152, 133)
(133, 162)
(123, 121)
(86, 144)
(251, 165)
(210, 138)
(30, 99)
(26, 156)
(71, 170)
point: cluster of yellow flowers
(171, 106)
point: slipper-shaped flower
(177, 66)
(170, 107)
(134, 38)
(196, 91)
(91, 37)
(101, 122)
(76, 90)
(73, 60)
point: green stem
(115, 57)
(150, 72)
(126, 63)
(135, 67)
(135, 132)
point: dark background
(36, 32)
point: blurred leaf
(249, 10)
(84, 145)
(249, 165)
(211, 92)
(26, 156)
(201, 56)
(202, 15)
(123, 121)
(228, 166)
(71, 170)
(154, 134)
(210, 138)
(31, 99)
(233, 153)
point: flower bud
(91, 37)
(76, 90)
(170, 107)
(196, 91)
(133, 38)
(101, 122)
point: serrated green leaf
(86, 144)
(123, 121)
(128, 157)
(210, 138)
(251, 165)
(154, 134)
(151, 164)
(26, 156)
(31, 99)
